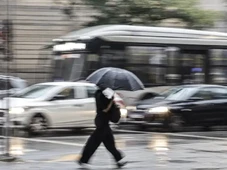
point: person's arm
(109, 106)
(101, 100)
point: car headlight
(124, 112)
(158, 110)
(16, 110)
(131, 107)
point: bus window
(152, 64)
(148, 63)
(218, 66)
(112, 58)
(158, 62)
(173, 73)
(92, 63)
(218, 57)
(192, 67)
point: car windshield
(176, 93)
(34, 91)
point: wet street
(189, 150)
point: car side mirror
(195, 98)
(58, 97)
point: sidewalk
(143, 152)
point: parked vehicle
(54, 105)
(187, 105)
(10, 85)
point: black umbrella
(116, 79)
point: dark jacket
(102, 118)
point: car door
(220, 104)
(199, 108)
(85, 106)
(62, 111)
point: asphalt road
(192, 149)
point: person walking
(102, 133)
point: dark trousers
(103, 134)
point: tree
(150, 12)
(66, 7)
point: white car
(54, 105)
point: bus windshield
(68, 67)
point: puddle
(180, 161)
(206, 168)
(208, 151)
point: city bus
(157, 55)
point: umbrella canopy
(116, 79)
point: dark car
(186, 105)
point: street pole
(7, 143)
(225, 19)
(7, 147)
(6, 155)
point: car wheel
(175, 123)
(38, 124)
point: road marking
(66, 158)
(176, 134)
(19, 151)
(151, 133)
(48, 141)
(195, 136)
(80, 137)
(64, 137)
(130, 131)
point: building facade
(36, 23)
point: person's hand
(109, 93)
(118, 105)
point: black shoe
(121, 164)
